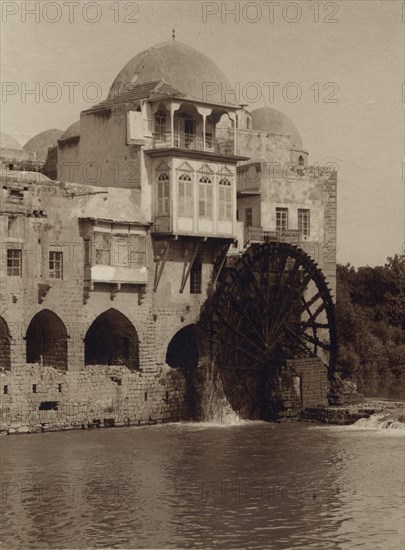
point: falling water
(215, 407)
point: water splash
(381, 422)
(215, 407)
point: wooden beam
(190, 265)
(221, 265)
(161, 266)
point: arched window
(205, 197)
(160, 124)
(224, 199)
(163, 194)
(185, 195)
(112, 340)
(301, 160)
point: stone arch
(112, 340)
(46, 340)
(5, 339)
(184, 349)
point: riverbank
(387, 412)
(349, 414)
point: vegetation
(370, 314)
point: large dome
(8, 142)
(177, 64)
(41, 142)
(267, 119)
(72, 131)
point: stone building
(106, 271)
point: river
(246, 485)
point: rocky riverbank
(388, 411)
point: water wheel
(271, 305)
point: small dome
(8, 142)
(267, 119)
(72, 131)
(41, 142)
(177, 64)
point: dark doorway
(182, 351)
(112, 340)
(5, 359)
(46, 340)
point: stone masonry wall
(35, 399)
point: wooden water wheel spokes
(272, 305)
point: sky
(336, 69)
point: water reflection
(253, 485)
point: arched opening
(112, 340)
(46, 340)
(182, 351)
(301, 160)
(5, 359)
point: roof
(267, 119)
(137, 92)
(106, 203)
(8, 142)
(184, 67)
(23, 176)
(72, 131)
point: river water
(250, 485)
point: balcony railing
(182, 140)
(257, 234)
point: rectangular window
(102, 248)
(185, 185)
(120, 250)
(163, 195)
(14, 262)
(248, 217)
(281, 219)
(55, 265)
(225, 200)
(205, 198)
(137, 250)
(196, 277)
(304, 221)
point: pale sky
(362, 54)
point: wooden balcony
(258, 235)
(192, 142)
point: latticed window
(281, 219)
(205, 197)
(163, 194)
(120, 250)
(14, 262)
(55, 265)
(304, 221)
(137, 250)
(196, 277)
(102, 248)
(225, 199)
(160, 123)
(185, 195)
